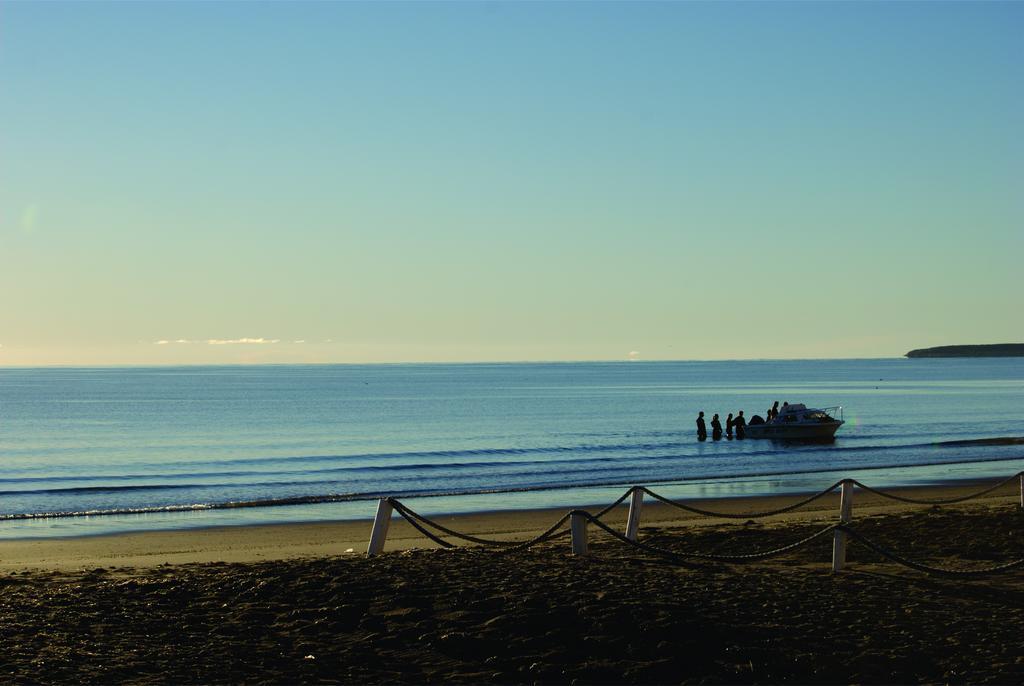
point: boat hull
(802, 432)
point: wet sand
(287, 604)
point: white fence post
(578, 526)
(379, 533)
(636, 503)
(846, 501)
(839, 537)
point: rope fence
(948, 501)
(579, 520)
(729, 515)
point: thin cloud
(242, 341)
(222, 341)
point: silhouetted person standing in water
(774, 412)
(741, 425)
(702, 430)
(716, 428)
(728, 426)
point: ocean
(102, 450)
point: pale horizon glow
(267, 183)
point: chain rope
(413, 519)
(748, 515)
(548, 535)
(708, 556)
(948, 501)
(927, 569)
(419, 521)
(416, 519)
(669, 555)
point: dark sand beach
(289, 605)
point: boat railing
(836, 412)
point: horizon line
(438, 363)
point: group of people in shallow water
(737, 424)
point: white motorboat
(800, 423)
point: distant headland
(996, 350)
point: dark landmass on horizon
(994, 350)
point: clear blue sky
(345, 182)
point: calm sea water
(101, 450)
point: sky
(242, 182)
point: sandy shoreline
(259, 543)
